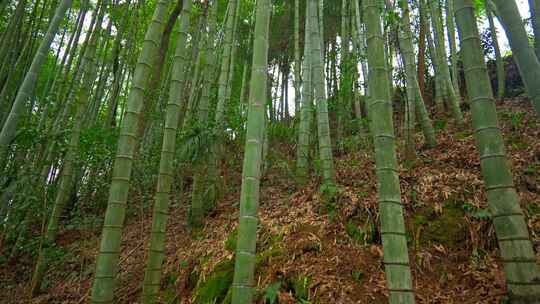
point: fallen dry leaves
(319, 247)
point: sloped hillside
(323, 246)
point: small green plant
(317, 166)
(464, 134)
(214, 287)
(230, 242)
(300, 286)
(357, 275)
(533, 209)
(329, 197)
(516, 119)
(356, 233)
(475, 212)
(361, 234)
(440, 125)
(281, 132)
(193, 143)
(271, 293)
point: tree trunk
(109, 252)
(501, 75)
(70, 161)
(152, 275)
(443, 71)
(396, 258)
(529, 66)
(417, 102)
(422, 53)
(323, 125)
(27, 88)
(534, 6)
(515, 245)
(297, 62)
(243, 282)
(451, 31)
(307, 110)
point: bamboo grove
(142, 98)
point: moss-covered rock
(216, 286)
(448, 228)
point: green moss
(216, 287)
(447, 228)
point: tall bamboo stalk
(517, 252)
(152, 275)
(319, 95)
(27, 88)
(244, 270)
(306, 112)
(407, 50)
(528, 63)
(109, 252)
(393, 234)
(67, 177)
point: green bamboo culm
(345, 77)
(499, 62)
(306, 112)
(359, 39)
(534, 6)
(451, 31)
(409, 129)
(198, 203)
(407, 51)
(522, 273)
(528, 63)
(160, 215)
(70, 162)
(357, 36)
(394, 239)
(320, 6)
(438, 99)
(447, 88)
(297, 61)
(228, 45)
(109, 252)
(319, 94)
(223, 83)
(28, 85)
(244, 268)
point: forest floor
(316, 250)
